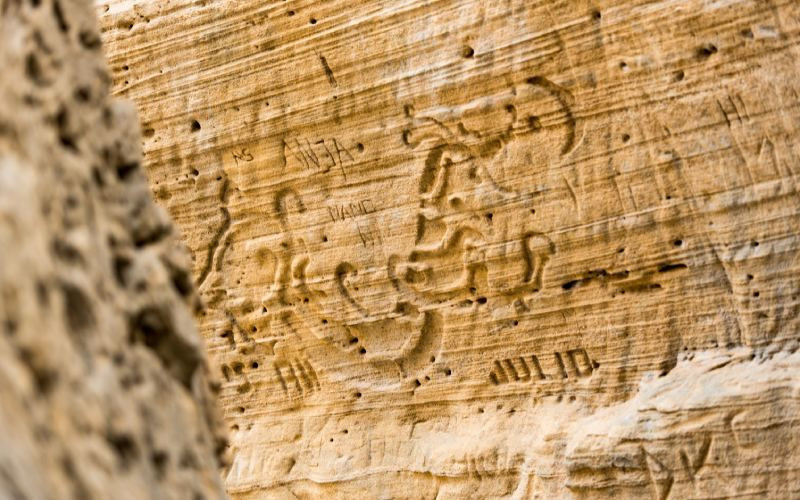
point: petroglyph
(485, 249)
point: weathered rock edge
(105, 390)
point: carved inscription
(342, 212)
(572, 364)
(367, 236)
(319, 156)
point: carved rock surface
(105, 386)
(483, 249)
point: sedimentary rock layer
(105, 386)
(485, 249)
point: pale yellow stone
(485, 249)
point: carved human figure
(467, 239)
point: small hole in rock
(83, 94)
(77, 308)
(467, 52)
(33, 69)
(195, 126)
(706, 51)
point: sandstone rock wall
(105, 386)
(485, 249)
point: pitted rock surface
(105, 387)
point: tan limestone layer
(104, 388)
(485, 249)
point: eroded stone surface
(105, 386)
(485, 249)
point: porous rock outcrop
(105, 390)
(485, 249)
